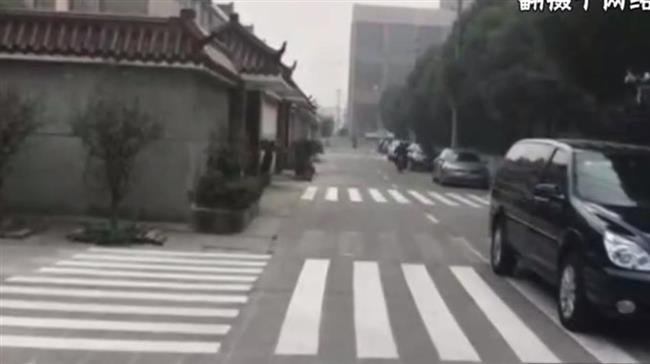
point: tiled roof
(110, 37)
(248, 53)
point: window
(557, 170)
(84, 5)
(44, 4)
(467, 157)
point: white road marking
(160, 267)
(177, 253)
(420, 197)
(444, 331)
(332, 194)
(377, 196)
(603, 350)
(471, 248)
(82, 344)
(129, 284)
(395, 194)
(372, 326)
(310, 193)
(157, 275)
(147, 259)
(114, 325)
(479, 199)
(463, 200)
(117, 309)
(141, 295)
(523, 341)
(300, 330)
(443, 199)
(432, 219)
(355, 195)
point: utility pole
(453, 103)
(338, 107)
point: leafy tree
(392, 107)
(327, 127)
(114, 134)
(17, 121)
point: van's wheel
(502, 257)
(574, 309)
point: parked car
(578, 214)
(418, 159)
(460, 166)
(382, 146)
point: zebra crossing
(375, 195)
(451, 337)
(128, 300)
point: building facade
(385, 43)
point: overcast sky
(318, 37)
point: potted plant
(224, 201)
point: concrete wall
(50, 174)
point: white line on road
(603, 350)
(523, 341)
(161, 267)
(432, 219)
(479, 199)
(300, 330)
(114, 325)
(179, 253)
(332, 194)
(443, 199)
(117, 309)
(82, 344)
(129, 284)
(355, 195)
(310, 193)
(463, 199)
(377, 196)
(141, 295)
(444, 331)
(372, 326)
(398, 197)
(157, 275)
(471, 248)
(420, 197)
(147, 259)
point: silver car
(463, 167)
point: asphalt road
(371, 266)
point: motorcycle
(401, 163)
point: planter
(222, 221)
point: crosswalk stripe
(432, 218)
(116, 309)
(157, 275)
(444, 331)
(147, 259)
(377, 196)
(128, 283)
(300, 329)
(114, 325)
(420, 197)
(310, 193)
(443, 199)
(142, 295)
(374, 337)
(479, 199)
(463, 199)
(523, 341)
(355, 195)
(148, 346)
(601, 349)
(177, 253)
(160, 267)
(332, 194)
(398, 197)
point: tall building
(385, 43)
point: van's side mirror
(548, 191)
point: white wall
(164, 8)
(269, 119)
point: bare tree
(17, 122)
(114, 134)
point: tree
(17, 121)
(392, 107)
(114, 134)
(327, 127)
